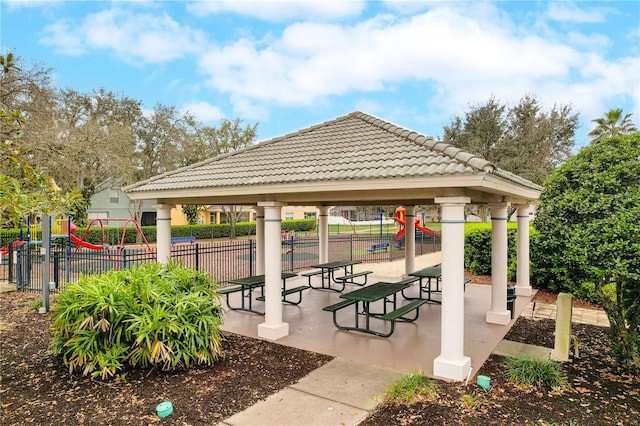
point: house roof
(356, 158)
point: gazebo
(358, 159)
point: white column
(272, 328)
(163, 232)
(523, 288)
(410, 239)
(323, 228)
(259, 240)
(499, 256)
(451, 363)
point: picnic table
(425, 276)
(327, 274)
(364, 297)
(246, 285)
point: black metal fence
(222, 260)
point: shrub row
(477, 250)
(113, 235)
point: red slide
(83, 243)
(400, 234)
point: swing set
(107, 242)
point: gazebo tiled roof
(369, 158)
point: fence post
(124, 259)
(251, 245)
(351, 247)
(56, 268)
(10, 256)
(197, 257)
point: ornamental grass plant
(153, 315)
(526, 370)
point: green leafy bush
(477, 249)
(589, 236)
(151, 315)
(526, 370)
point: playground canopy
(358, 159)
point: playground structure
(106, 242)
(64, 229)
(400, 216)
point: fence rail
(222, 260)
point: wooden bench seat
(349, 279)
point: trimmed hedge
(477, 250)
(113, 235)
(201, 232)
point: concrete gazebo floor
(412, 347)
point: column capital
(160, 206)
(452, 200)
(270, 204)
(502, 205)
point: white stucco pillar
(410, 239)
(523, 287)
(163, 232)
(451, 363)
(259, 240)
(272, 328)
(499, 258)
(323, 233)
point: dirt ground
(37, 389)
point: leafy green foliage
(152, 315)
(523, 139)
(613, 124)
(589, 235)
(477, 249)
(526, 370)
(410, 385)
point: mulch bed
(36, 389)
(597, 390)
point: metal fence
(222, 260)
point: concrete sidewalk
(341, 392)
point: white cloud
(311, 61)
(132, 37)
(62, 39)
(281, 11)
(204, 111)
(569, 11)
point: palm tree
(612, 124)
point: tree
(589, 235)
(612, 124)
(524, 139)
(24, 189)
(229, 136)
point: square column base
(453, 369)
(523, 291)
(273, 332)
(501, 318)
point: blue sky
(292, 64)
